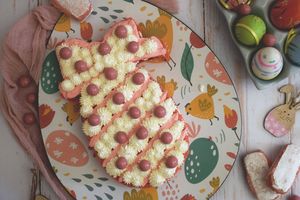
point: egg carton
(261, 9)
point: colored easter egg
(46, 114)
(284, 14)
(249, 30)
(233, 4)
(202, 160)
(215, 69)
(293, 49)
(51, 76)
(66, 148)
(267, 63)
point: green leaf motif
(105, 20)
(104, 8)
(108, 196)
(103, 179)
(187, 63)
(94, 13)
(118, 11)
(98, 184)
(76, 180)
(129, 1)
(89, 176)
(98, 198)
(112, 188)
(90, 188)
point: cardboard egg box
(260, 8)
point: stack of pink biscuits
(271, 182)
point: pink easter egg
(64, 147)
(215, 69)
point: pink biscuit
(285, 168)
(79, 9)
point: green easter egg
(51, 76)
(202, 160)
(249, 30)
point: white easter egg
(267, 63)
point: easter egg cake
(136, 130)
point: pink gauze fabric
(23, 53)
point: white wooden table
(203, 17)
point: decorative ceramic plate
(191, 74)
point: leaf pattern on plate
(129, 1)
(187, 63)
(90, 188)
(89, 176)
(76, 180)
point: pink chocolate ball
(81, 66)
(160, 111)
(118, 98)
(138, 78)
(144, 165)
(104, 49)
(31, 98)
(24, 81)
(92, 89)
(65, 53)
(94, 120)
(244, 9)
(269, 40)
(133, 47)
(134, 112)
(121, 31)
(121, 163)
(171, 162)
(29, 118)
(142, 133)
(121, 137)
(110, 73)
(166, 138)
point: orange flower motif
(231, 119)
(86, 31)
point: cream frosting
(289, 163)
(112, 170)
(67, 85)
(150, 46)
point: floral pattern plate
(191, 74)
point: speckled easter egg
(249, 30)
(293, 49)
(66, 148)
(284, 14)
(51, 75)
(202, 160)
(267, 63)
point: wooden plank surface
(204, 18)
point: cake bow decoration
(136, 130)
